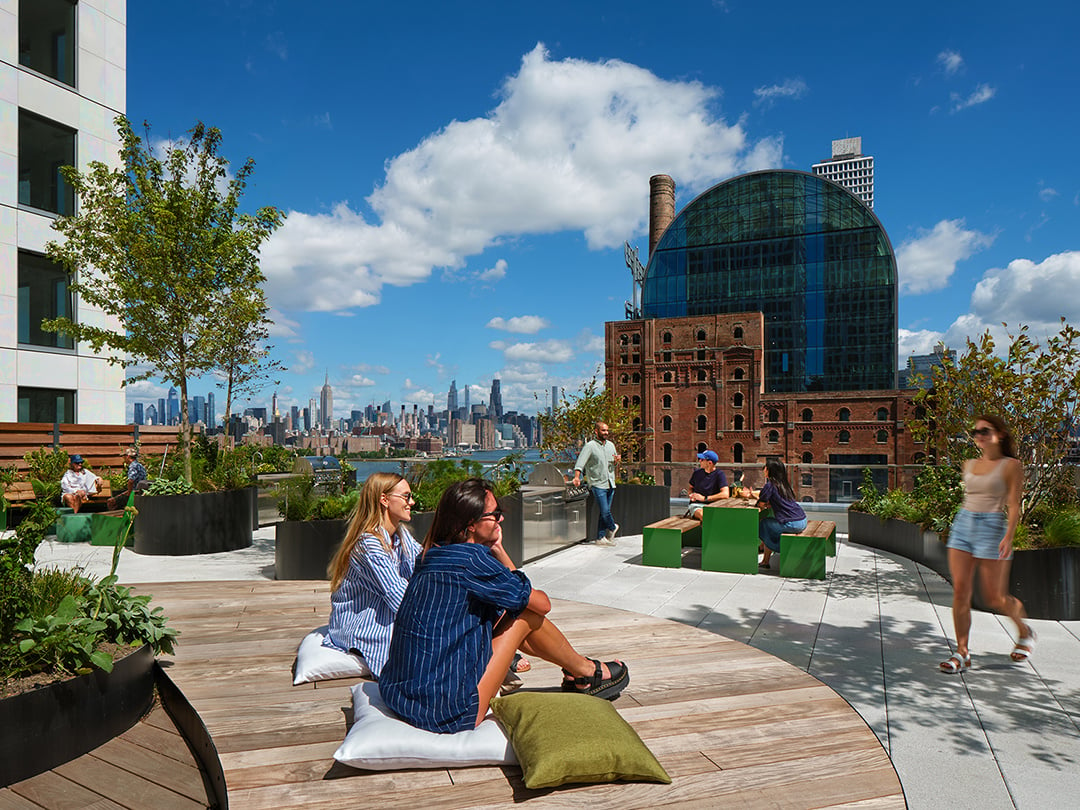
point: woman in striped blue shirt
(467, 610)
(371, 569)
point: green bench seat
(802, 554)
(662, 542)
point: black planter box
(303, 548)
(1046, 580)
(202, 523)
(47, 727)
(634, 507)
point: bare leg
(994, 581)
(536, 636)
(962, 568)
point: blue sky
(460, 177)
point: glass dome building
(808, 255)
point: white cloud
(588, 342)
(282, 327)
(520, 324)
(360, 380)
(496, 273)
(950, 61)
(927, 261)
(789, 88)
(304, 362)
(548, 351)
(569, 146)
(368, 368)
(979, 95)
(911, 342)
(1046, 194)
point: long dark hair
(777, 473)
(1007, 446)
(460, 506)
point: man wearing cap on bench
(707, 484)
(78, 485)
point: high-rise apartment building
(326, 404)
(211, 411)
(173, 403)
(137, 413)
(63, 80)
(495, 408)
(850, 168)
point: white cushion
(379, 741)
(314, 662)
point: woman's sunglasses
(497, 515)
(981, 431)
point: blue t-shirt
(442, 635)
(784, 510)
(705, 483)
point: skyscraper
(495, 408)
(554, 398)
(137, 413)
(451, 398)
(211, 411)
(151, 415)
(200, 410)
(326, 404)
(850, 168)
(174, 407)
(162, 414)
(313, 414)
(466, 405)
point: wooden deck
(732, 725)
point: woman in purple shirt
(788, 516)
(466, 611)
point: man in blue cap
(707, 484)
(78, 484)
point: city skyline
(461, 215)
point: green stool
(729, 539)
(802, 556)
(73, 528)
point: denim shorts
(978, 533)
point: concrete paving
(1001, 735)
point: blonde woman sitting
(371, 569)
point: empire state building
(326, 404)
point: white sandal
(1025, 646)
(955, 663)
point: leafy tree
(244, 361)
(160, 245)
(565, 430)
(1034, 388)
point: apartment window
(773, 416)
(737, 453)
(43, 293)
(807, 415)
(701, 401)
(701, 335)
(667, 452)
(737, 422)
(666, 337)
(47, 38)
(883, 437)
(737, 333)
(807, 458)
(635, 358)
(701, 423)
(807, 479)
(882, 415)
(844, 437)
(626, 402)
(666, 401)
(739, 374)
(667, 376)
(637, 424)
(845, 415)
(665, 424)
(774, 437)
(635, 377)
(701, 376)
(667, 357)
(636, 401)
(807, 437)
(636, 338)
(45, 146)
(46, 405)
(701, 354)
(736, 401)
(624, 379)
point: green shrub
(164, 486)
(47, 464)
(1062, 529)
(299, 500)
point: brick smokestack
(661, 207)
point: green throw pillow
(561, 738)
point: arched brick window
(702, 400)
(739, 374)
(702, 422)
(843, 437)
(737, 422)
(665, 402)
(736, 401)
(665, 423)
(807, 415)
(845, 415)
(774, 437)
(807, 436)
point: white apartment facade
(63, 79)
(850, 168)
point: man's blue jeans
(603, 501)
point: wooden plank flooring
(732, 725)
(148, 766)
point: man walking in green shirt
(597, 461)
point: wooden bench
(662, 542)
(802, 554)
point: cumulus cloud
(950, 61)
(588, 342)
(282, 327)
(496, 273)
(790, 88)
(920, 341)
(979, 95)
(569, 146)
(548, 351)
(520, 324)
(927, 261)
(1046, 194)
(304, 362)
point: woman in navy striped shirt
(371, 569)
(467, 610)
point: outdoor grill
(324, 470)
(553, 511)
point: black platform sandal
(596, 684)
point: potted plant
(210, 513)
(76, 658)
(312, 528)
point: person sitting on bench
(136, 478)
(78, 485)
(706, 484)
(788, 517)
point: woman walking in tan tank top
(981, 538)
